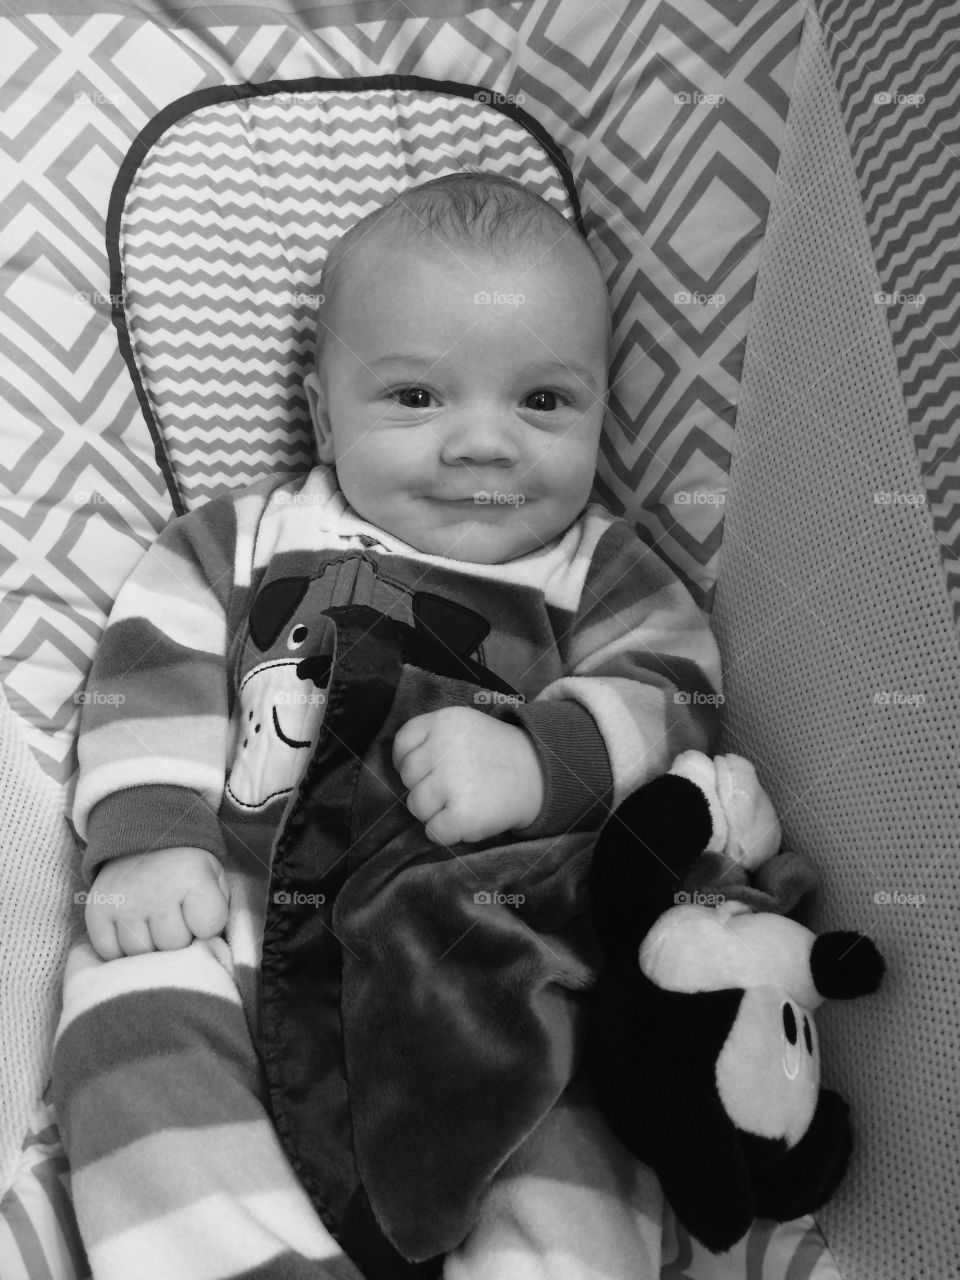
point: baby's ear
(317, 402)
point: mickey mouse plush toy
(702, 1048)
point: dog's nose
(316, 668)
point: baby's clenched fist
(468, 776)
(158, 901)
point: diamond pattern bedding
(670, 115)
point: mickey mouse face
(768, 1072)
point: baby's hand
(156, 901)
(468, 776)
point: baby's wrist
(532, 784)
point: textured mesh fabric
(36, 897)
(843, 684)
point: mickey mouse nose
(844, 964)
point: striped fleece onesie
(213, 701)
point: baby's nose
(482, 439)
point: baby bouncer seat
(767, 189)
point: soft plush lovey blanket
(420, 1004)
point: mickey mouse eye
(808, 1036)
(297, 636)
(789, 1024)
(792, 1052)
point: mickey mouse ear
(844, 964)
(641, 857)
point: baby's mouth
(484, 500)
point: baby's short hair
(472, 208)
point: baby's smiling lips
(471, 500)
(471, 510)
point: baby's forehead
(388, 232)
(366, 251)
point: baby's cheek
(351, 484)
(569, 486)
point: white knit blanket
(37, 889)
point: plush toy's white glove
(745, 826)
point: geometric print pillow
(220, 222)
(669, 116)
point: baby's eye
(542, 401)
(413, 397)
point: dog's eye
(297, 636)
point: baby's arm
(640, 684)
(468, 776)
(157, 901)
(153, 745)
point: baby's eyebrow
(575, 370)
(402, 357)
(534, 371)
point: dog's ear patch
(453, 625)
(273, 608)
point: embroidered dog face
(291, 654)
(282, 697)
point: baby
(458, 397)
(457, 401)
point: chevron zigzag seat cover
(767, 188)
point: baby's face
(462, 397)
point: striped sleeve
(154, 725)
(641, 683)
